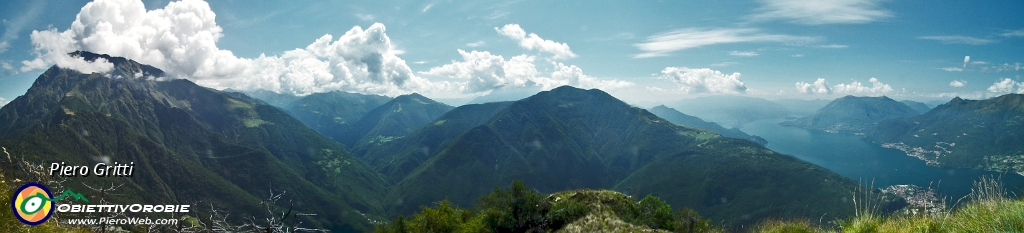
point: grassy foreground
(1002, 215)
(987, 209)
(520, 209)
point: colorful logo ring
(32, 204)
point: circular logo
(31, 204)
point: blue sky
(640, 51)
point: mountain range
(568, 138)
(356, 120)
(195, 145)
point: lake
(860, 160)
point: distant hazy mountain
(333, 113)
(393, 119)
(986, 134)
(677, 117)
(852, 114)
(506, 94)
(190, 145)
(800, 107)
(731, 111)
(936, 103)
(280, 100)
(917, 106)
(569, 138)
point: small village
(919, 200)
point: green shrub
(443, 218)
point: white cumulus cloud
(822, 11)
(958, 83)
(818, 87)
(704, 80)
(3, 101)
(1007, 85)
(855, 87)
(181, 40)
(952, 69)
(533, 42)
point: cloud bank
(820, 86)
(181, 40)
(1006, 86)
(877, 88)
(481, 71)
(704, 80)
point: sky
(643, 52)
